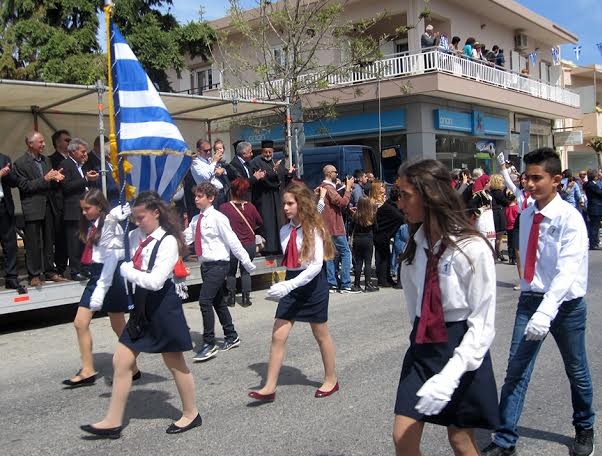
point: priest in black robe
(267, 196)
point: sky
(581, 17)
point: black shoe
(495, 450)
(246, 299)
(173, 429)
(16, 286)
(83, 382)
(230, 299)
(333, 289)
(584, 442)
(109, 433)
(79, 277)
(136, 376)
(384, 284)
(370, 288)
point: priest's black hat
(267, 143)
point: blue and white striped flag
(533, 57)
(443, 43)
(577, 51)
(146, 133)
(555, 56)
(599, 45)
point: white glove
(435, 394)
(250, 267)
(278, 290)
(126, 269)
(538, 326)
(95, 303)
(120, 213)
(501, 159)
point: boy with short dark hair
(554, 254)
(213, 241)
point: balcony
(411, 65)
(592, 125)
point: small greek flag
(577, 51)
(533, 57)
(146, 133)
(599, 45)
(555, 56)
(444, 44)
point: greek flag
(443, 43)
(577, 51)
(533, 57)
(555, 56)
(599, 45)
(146, 133)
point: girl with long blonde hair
(303, 295)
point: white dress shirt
(245, 166)
(562, 254)
(217, 238)
(204, 171)
(309, 269)
(468, 291)
(108, 257)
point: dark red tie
(87, 253)
(525, 198)
(291, 254)
(137, 258)
(431, 327)
(531, 256)
(198, 247)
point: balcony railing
(407, 64)
(201, 90)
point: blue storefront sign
(350, 125)
(475, 123)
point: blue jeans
(568, 330)
(343, 251)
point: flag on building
(443, 43)
(555, 56)
(146, 134)
(533, 57)
(577, 51)
(599, 45)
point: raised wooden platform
(58, 294)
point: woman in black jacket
(388, 220)
(499, 202)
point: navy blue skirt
(308, 303)
(474, 404)
(167, 330)
(115, 299)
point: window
(279, 58)
(204, 80)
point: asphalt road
(39, 417)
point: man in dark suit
(93, 164)
(74, 186)
(240, 166)
(60, 142)
(8, 229)
(38, 184)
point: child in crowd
(362, 233)
(104, 291)
(214, 241)
(157, 324)
(554, 251)
(303, 295)
(511, 216)
(448, 276)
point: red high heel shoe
(320, 393)
(262, 397)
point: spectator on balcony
(468, 47)
(500, 60)
(598, 107)
(491, 57)
(429, 38)
(455, 45)
(476, 51)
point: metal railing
(412, 64)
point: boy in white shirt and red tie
(214, 241)
(554, 251)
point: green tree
(52, 41)
(596, 144)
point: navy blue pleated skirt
(115, 299)
(474, 404)
(167, 330)
(308, 303)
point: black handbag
(138, 321)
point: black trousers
(362, 251)
(245, 277)
(74, 246)
(39, 240)
(382, 261)
(8, 240)
(211, 297)
(60, 244)
(510, 241)
(593, 230)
